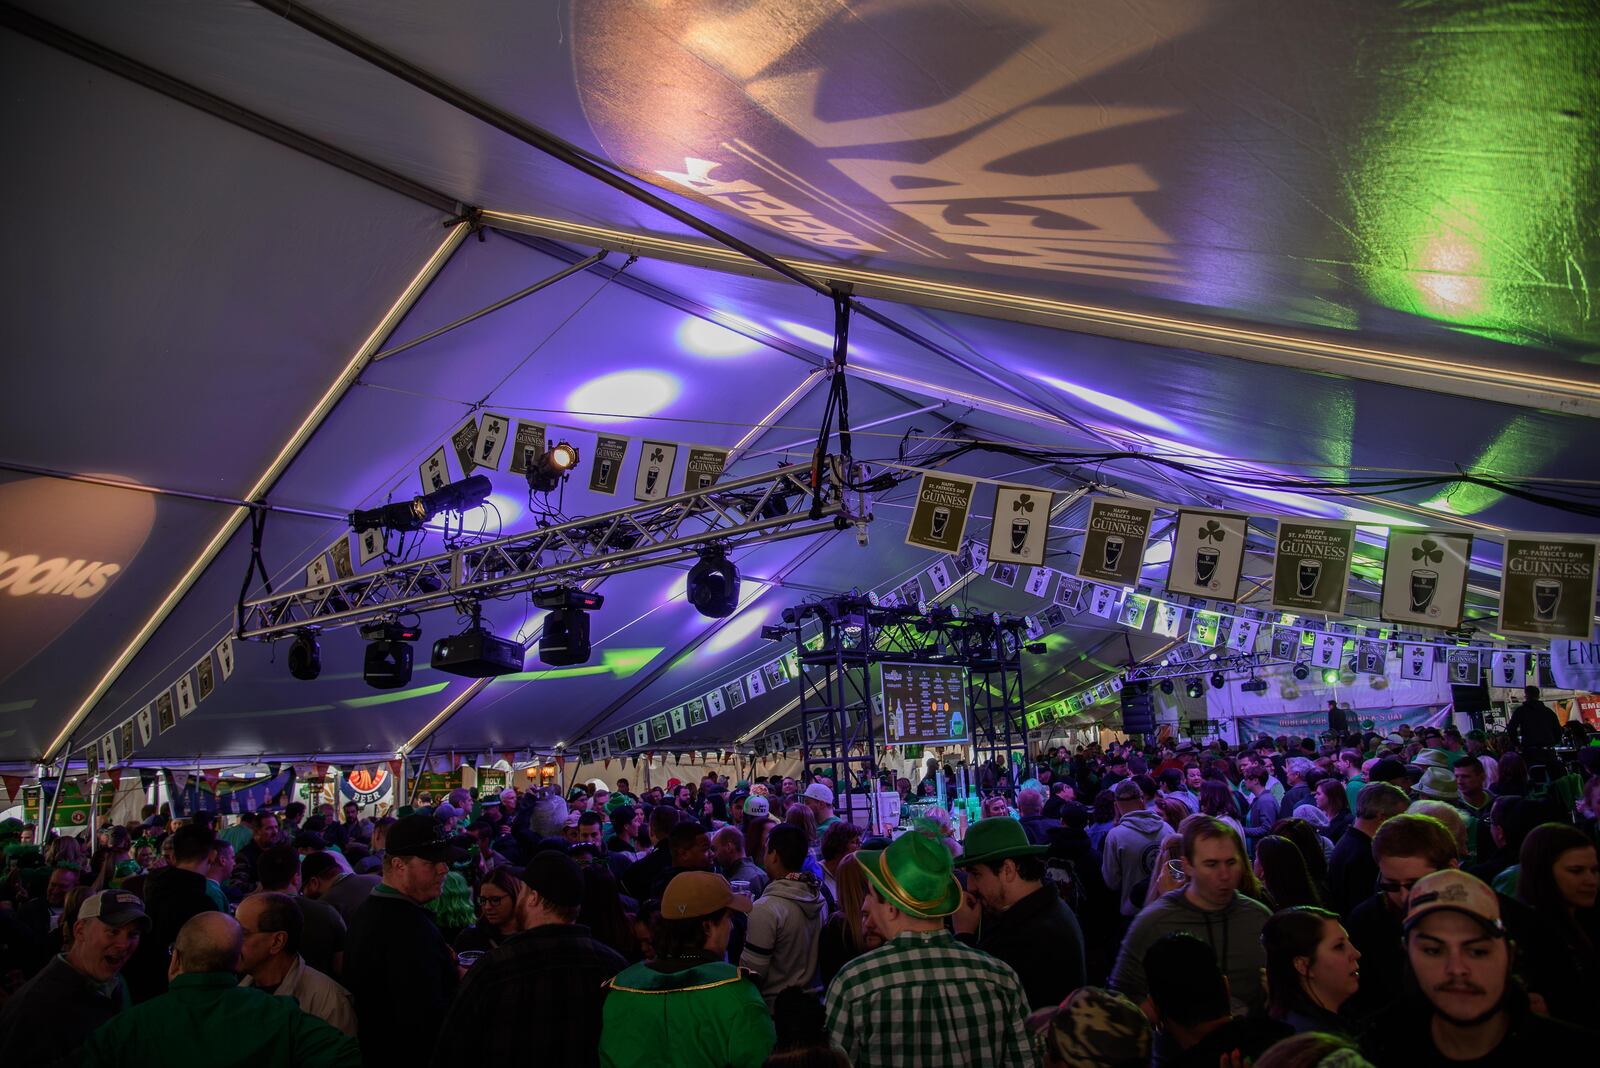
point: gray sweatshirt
(781, 943)
(1233, 933)
(1128, 856)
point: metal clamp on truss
(755, 509)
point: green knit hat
(915, 875)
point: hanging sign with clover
(1208, 554)
(1021, 525)
(653, 481)
(1425, 577)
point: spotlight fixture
(1330, 676)
(1255, 685)
(1218, 679)
(305, 657)
(774, 634)
(550, 470)
(1167, 687)
(387, 665)
(1036, 648)
(1302, 672)
(1194, 689)
(565, 637)
(714, 584)
(411, 515)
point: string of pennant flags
(1547, 580)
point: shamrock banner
(1208, 554)
(1425, 577)
(653, 480)
(1021, 525)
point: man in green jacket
(688, 1006)
(204, 1008)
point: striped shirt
(926, 999)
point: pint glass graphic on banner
(1310, 572)
(1205, 566)
(1019, 534)
(605, 470)
(941, 523)
(1113, 551)
(1508, 669)
(705, 480)
(651, 477)
(1419, 659)
(1546, 599)
(1424, 584)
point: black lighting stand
(993, 654)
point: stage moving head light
(1302, 672)
(412, 515)
(305, 656)
(387, 664)
(1254, 686)
(713, 584)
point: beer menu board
(924, 704)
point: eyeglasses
(1389, 886)
(492, 900)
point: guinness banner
(1547, 587)
(940, 516)
(1312, 567)
(1425, 577)
(527, 447)
(704, 468)
(1208, 554)
(1021, 525)
(1113, 546)
(605, 467)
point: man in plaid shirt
(922, 997)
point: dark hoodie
(781, 944)
(172, 896)
(1128, 858)
(1233, 933)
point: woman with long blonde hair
(845, 936)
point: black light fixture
(1167, 687)
(1194, 689)
(387, 665)
(1302, 672)
(564, 637)
(1254, 685)
(305, 657)
(413, 514)
(714, 584)
(1218, 679)
(547, 473)
(773, 633)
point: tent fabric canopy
(1273, 196)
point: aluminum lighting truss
(755, 509)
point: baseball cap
(556, 878)
(419, 836)
(1093, 1026)
(1126, 790)
(699, 893)
(757, 807)
(818, 792)
(115, 907)
(1457, 891)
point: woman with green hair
(452, 910)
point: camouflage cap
(1093, 1027)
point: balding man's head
(209, 942)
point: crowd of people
(1417, 898)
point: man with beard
(1468, 1009)
(1010, 914)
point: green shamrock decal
(1429, 550)
(1212, 531)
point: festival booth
(399, 395)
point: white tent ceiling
(213, 208)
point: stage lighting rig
(1218, 680)
(405, 516)
(1195, 689)
(713, 584)
(305, 656)
(551, 469)
(775, 634)
(1302, 672)
(564, 639)
(1167, 687)
(1330, 676)
(1254, 685)
(387, 665)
